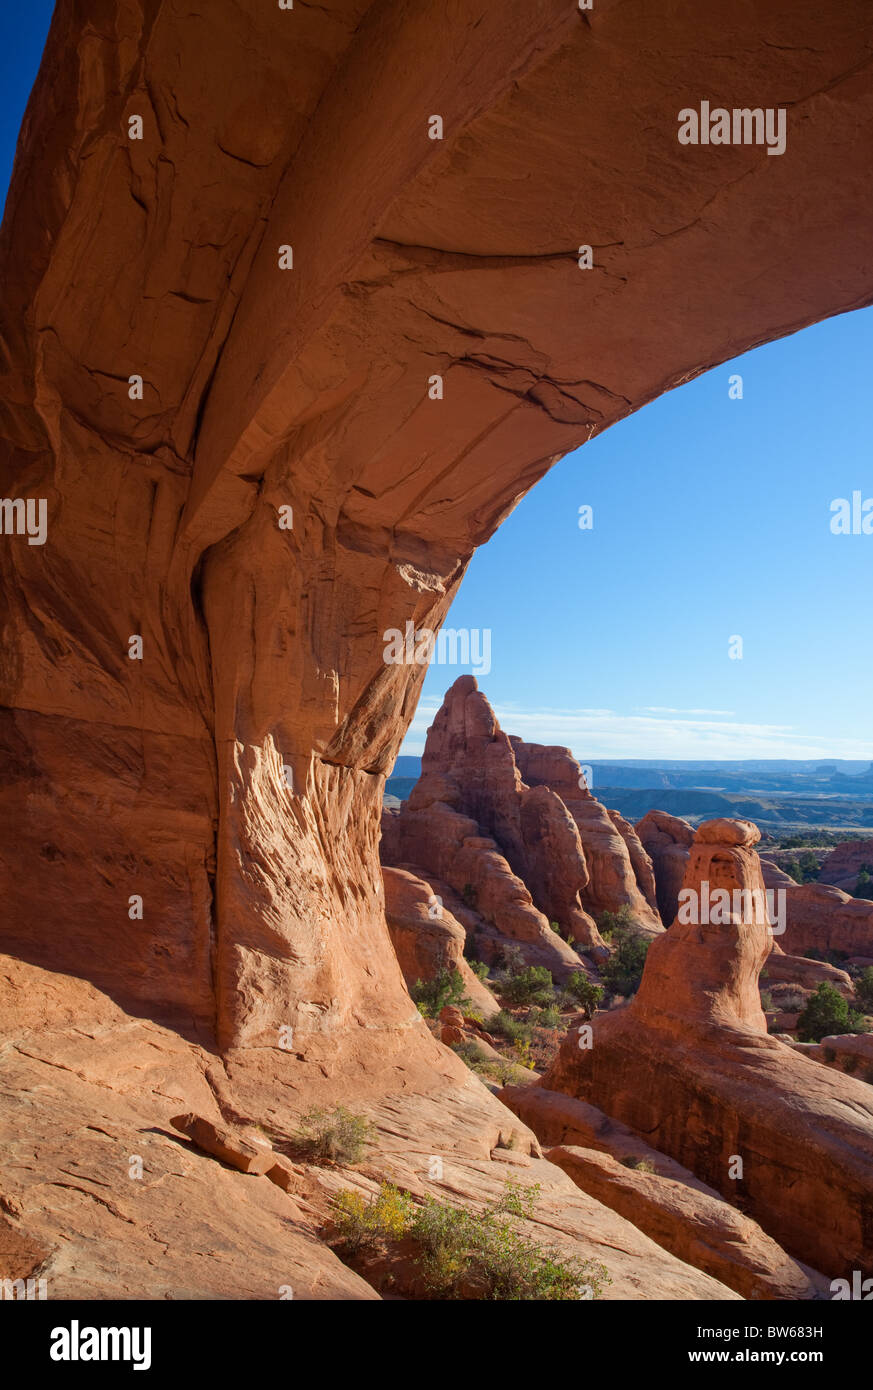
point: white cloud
(668, 709)
(605, 734)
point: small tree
(864, 884)
(530, 986)
(623, 971)
(827, 1012)
(584, 991)
(446, 987)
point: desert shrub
(766, 1001)
(524, 1054)
(622, 973)
(555, 926)
(501, 1070)
(432, 996)
(479, 969)
(333, 1136)
(864, 988)
(531, 985)
(360, 1221)
(545, 1018)
(608, 923)
(470, 1053)
(803, 869)
(466, 1254)
(790, 1002)
(583, 992)
(469, 895)
(511, 959)
(505, 1026)
(864, 884)
(827, 1012)
(640, 1165)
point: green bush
(469, 895)
(545, 1018)
(610, 922)
(584, 992)
(640, 1165)
(864, 884)
(827, 1012)
(513, 1029)
(360, 1222)
(479, 969)
(333, 1136)
(470, 1255)
(533, 985)
(622, 973)
(432, 996)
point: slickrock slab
(693, 1222)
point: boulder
(236, 1149)
(842, 866)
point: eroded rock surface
(667, 841)
(689, 1065)
(481, 792)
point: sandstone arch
(308, 388)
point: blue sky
(23, 29)
(711, 520)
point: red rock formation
(667, 841)
(688, 1063)
(640, 861)
(470, 819)
(159, 783)
(821, 918)
(842, 866)
(612, 881)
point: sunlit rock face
(689, 1065)
(289, 483)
